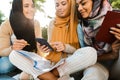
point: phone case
(44, 42)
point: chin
(30, 18)
(84, 16)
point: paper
(40, 63)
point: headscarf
(22, 27)
(65, 30)
(92, 24)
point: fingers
(116, 46)
(117, 36)
(118, 25)
(43, 48)
(116, 31)
(59, 46)
(19, 44)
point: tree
(44, 33)
(38, 4)
(115, 4)
(1, 17)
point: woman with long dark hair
(20, 30)
(63, 38)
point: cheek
(24, 12)
(67, 11)
(89, 9)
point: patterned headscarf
(92, 24)
(65, 30)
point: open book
(40, 63)
(111, 19)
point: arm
(111, 55)
(38, 31)
(68, 48)
(115, 46)
(5, 43)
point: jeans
(5, 65)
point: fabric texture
(89, 28)
(5, 65)
(95, 72)
(80, 60)
(6, 36)
(92, 24)
(66, 29)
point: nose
(80, 7)
(31, 8)
(60, 7)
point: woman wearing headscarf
(62, 35)
(92, 14)
(19, 31)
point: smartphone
(44, 42)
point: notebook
(40, 63)
(111, 19)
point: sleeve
(68, 48)
(38, 30)
(5, 43)
(38, 34)
(80, 35)
(49, 30)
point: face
(84, 7)
(28, 9)
(62, 8)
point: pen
(28, 44)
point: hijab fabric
(65, 31)
(92, 24)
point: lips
(82, 13)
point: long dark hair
(22, 27)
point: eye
(57, 5)
(26, 5)
(83, 3)
(64, 3)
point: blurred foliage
(115, 4)
(1, 17)
(44, 33)
(39, 4)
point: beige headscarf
(65, 30)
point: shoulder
(36, 23)
(5, 26)
(51, 24)
(6, 23)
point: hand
(59, 46)
(116, 46)
(19, 44)
(116, 31)
(43, 48)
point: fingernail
(118, 25)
